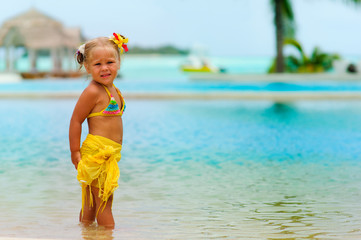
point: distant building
(37, 33)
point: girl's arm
(85, 104)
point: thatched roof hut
(36, 31)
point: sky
(223, 28)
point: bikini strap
(121, 98)
(109, 94)
(106, 89)
(119, 93)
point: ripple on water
(266, 172)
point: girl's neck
(110, 85)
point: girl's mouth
(105, 75)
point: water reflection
(281, 110)
(288, 218)
(95, 232)
(303, 201)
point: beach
(264, 172)
(241, 119)
(191, 168)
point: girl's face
(103, 65)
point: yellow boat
(196, 64)
(198, 69)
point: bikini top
(113, 108)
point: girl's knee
(106, 219)
(87, 215)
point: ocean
(190, 169)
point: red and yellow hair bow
(121, 41)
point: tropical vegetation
(318, 61)
(285, 27)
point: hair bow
(120, 41)
(81, 49)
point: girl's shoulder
(93, 89)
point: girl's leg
(104, 218)
(88, 216)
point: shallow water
(191, 170)
(163, 74)
(180, 84)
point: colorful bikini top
(113, 108)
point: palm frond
(287, 9)
(352, 1)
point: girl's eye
(97, 64)
(110, 62)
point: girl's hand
(75, 158)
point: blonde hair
(82, 58)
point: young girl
(102, 105)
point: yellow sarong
(99, 167)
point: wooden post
(56, 58)
(53, 58)
(7, 59)
(10, 58)
(60, 57)
(32, 58)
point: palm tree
(285, 26)
(284, 22)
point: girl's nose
(104, 67)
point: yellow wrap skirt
(99, 167)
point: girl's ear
(87, 68)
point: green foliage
(352, 1)
(317, 62)
(286, 27)
(286, 8)
(171, 50)
(287, 17)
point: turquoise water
(189, 169)
(154, 64)
(181, 83)
(162, 74)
